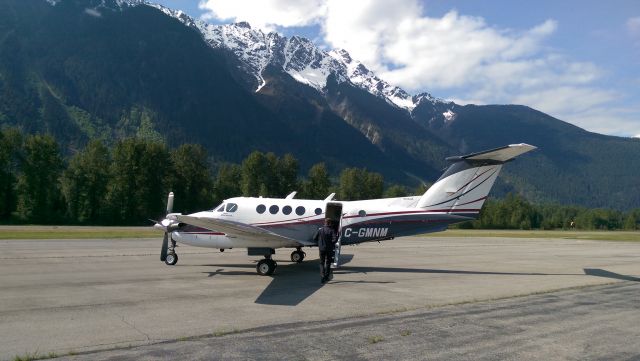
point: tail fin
(464, 186)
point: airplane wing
(235, 229)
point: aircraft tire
(172, 259)
(297, 256)
(265, 267)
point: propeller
(164, 225)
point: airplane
(263, 225)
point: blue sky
(576, 60)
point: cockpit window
(232, 207)
(221, 208)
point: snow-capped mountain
(297, 56)
(303, 60)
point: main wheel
(172, 259)
(297, 256)
(266, 267)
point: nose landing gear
(172, 256)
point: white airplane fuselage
(360, 221)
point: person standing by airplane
(326, 237)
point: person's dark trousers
(326, 257)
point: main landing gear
(172, 256)
(266, 266)
(297, 256)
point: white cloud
(633, 26)
(453, 54)
(265, 14)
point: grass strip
(76, 232)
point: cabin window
(221, 208)
(300, 210)
(261, 208)
(318, 211)
(274, 209)
(362, 213)
(286, 209)
(232, 207)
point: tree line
(515, 212)
(127, 184)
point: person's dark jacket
(326, 238)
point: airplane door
(334, 212)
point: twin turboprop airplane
(263, 224)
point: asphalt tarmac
(435, 298)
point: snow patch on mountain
(449, 116)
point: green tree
(38, 187)
(632, 220)
(317, 184)
(374, 185)
(269, 176)
(84, 183)
(137, 189)
(191, 179)
(286, 175)
(357, 183)
(256, 172)
(228, 183)
(395, 191)
(10, 147)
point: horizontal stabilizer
(502, 154)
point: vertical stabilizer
(465, 185)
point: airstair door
(333, 211)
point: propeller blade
(165, 247)
(170, 203)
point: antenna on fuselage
(291, 195)
(330, 197)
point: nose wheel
(172, 256)
(171, 259)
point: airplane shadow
(608, 274)
(294, 283)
